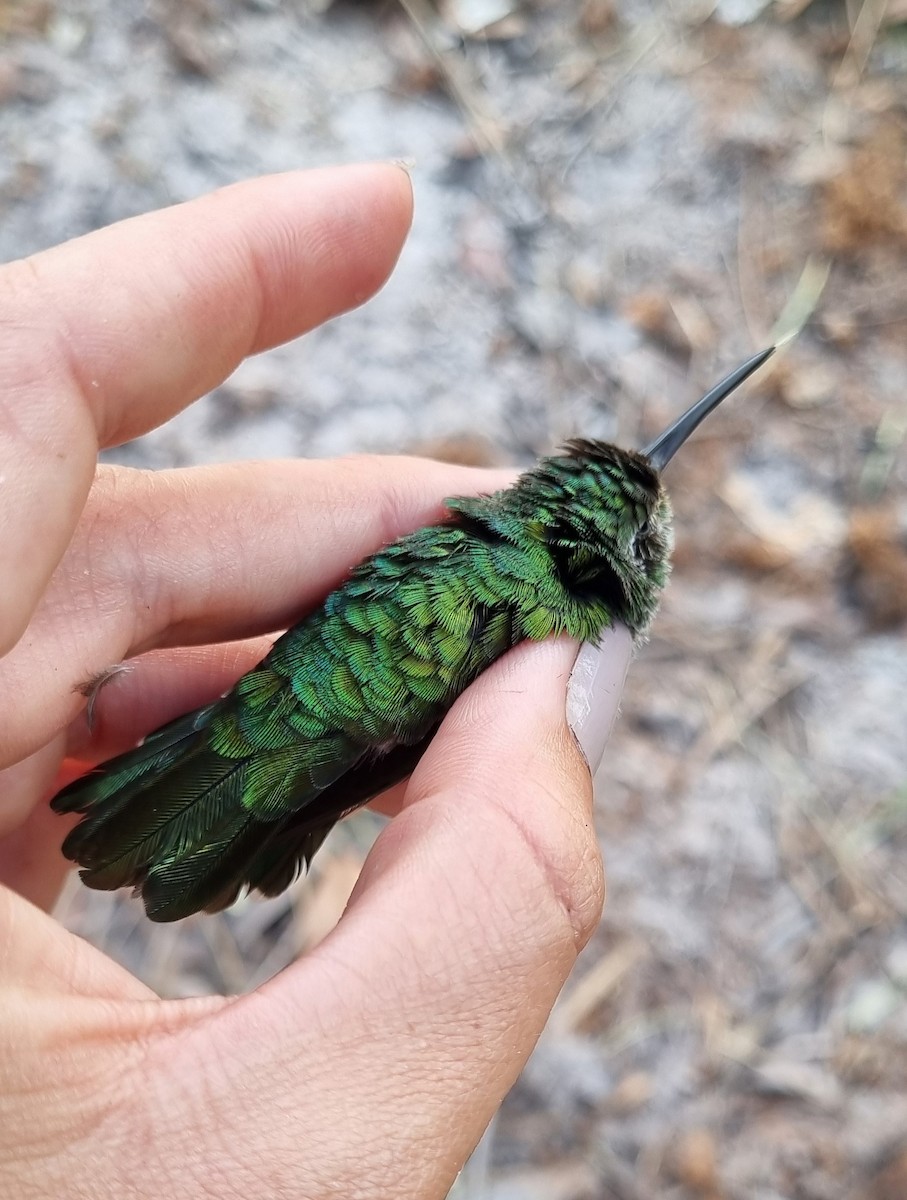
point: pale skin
(370, 1067)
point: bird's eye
(638, 544)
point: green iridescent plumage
(245, 790)
(242, 792)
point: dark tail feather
(181, 823)
(188, 827)
(108, 788)
(166, 818)
(293, 845)
(278, 862)
(207, 880)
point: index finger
(109, 335)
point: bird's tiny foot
(92, 686)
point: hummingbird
(241, 793)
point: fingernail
(405, 164)
(594, 690)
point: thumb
(508, 778)
(412, 1020)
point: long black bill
(666, 445)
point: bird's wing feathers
(244, 791)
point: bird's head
(612, 540)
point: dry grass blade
(802, 303)
(760, 683)
(595, 986)
(863, 34)
(487, 129)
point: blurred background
(615, 200)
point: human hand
(370, 1068)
